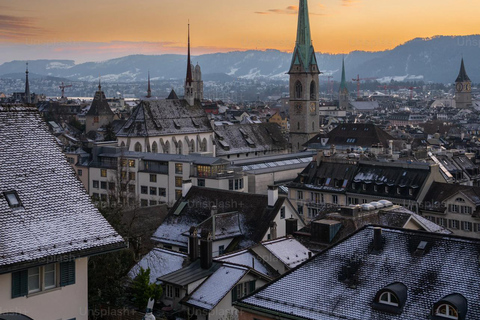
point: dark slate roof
(254, 214)
(462, 75)
(56, 217)
(351, 135)
(440, 192)
(391, 175)
(165, 117)
(244, 138)
(172, 95)
(327, 176)
(191, 273)
(100, 105)
(322, 289)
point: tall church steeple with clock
(303, 108)
(463, 89)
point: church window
(298, 90)
(313, 89)
(138, 147)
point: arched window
(446, 311)
(313, 91)
(192, 146)
(298, 90)
(460, 200)
(154, 147)
(298, 126)
(166, 148)
(313, 126)
(203, 145)
(180, 147)
(122, 144)
(388, 298)
(138, 147)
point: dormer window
(13, 199)
(391, 298)
(388, 298)
(453, 306)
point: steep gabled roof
(342, 281)
(165, 117)
(244, 138)
(56, 217)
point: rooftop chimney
(272, 195)
(206, 257)
(273, 230)
(214, 212)
(193, 244)
(186, 186)
(377, 239)
(333, 149)
(291, 226)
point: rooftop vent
(13, 199)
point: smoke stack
(193, 244)
(206, 257)
(273, 230)
(186, 186)
(272, 195)
(377, 239)
(291, 226)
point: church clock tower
(463, 89)
(303, 104)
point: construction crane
(358, 79)
(63, 89)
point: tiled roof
(165, 117)
(440, 192)
(56, 216)
(161, 262)
(244, 138)
(100, 105)
(341, 282)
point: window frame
(389, 301)
(449, 307)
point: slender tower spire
(149, 90)
(304, 53)
(343, 98)
(343, 83)
(28, 97)
(189, 79)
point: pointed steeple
(343, 83)
(149, 90)
(189, 78)
(28, 97)
(304, 54)
(462, 76)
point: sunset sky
(97, 30)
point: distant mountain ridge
(434, 59)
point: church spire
(343, 83)
(149, 90)
(28, 97)
(462, 76)
(189, 78)
(304, 54)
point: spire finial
(149, 90)
(189, 79)
(99, 83)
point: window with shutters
(243, 289)
(43, 278)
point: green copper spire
(303, 52)
(343, 84)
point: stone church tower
(303, 106)
(463, 89)
(193, 81)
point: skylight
(12, 199)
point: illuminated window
(178, 182)
(103, 173)
(178, 168)
(446, 311)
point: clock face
(468, 87)
(459, 87)
(298, 108)
(312, 107)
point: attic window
(459, 200)
(446, 311)
(453, 306)
(391, 298)
(13, 199)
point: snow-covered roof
(55, 216)
(245, 258)
(341, 282)
(288, 250)
(217, 286)
(160, 262)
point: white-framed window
(42, 278)
(169, 291)
(388, 298)
(300, 195)
(446, 311)
(334, 199)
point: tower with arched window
(304, 117)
